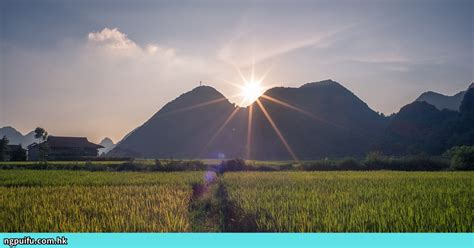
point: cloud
(111, 38)
(254, 47)
(113, 41)
(123, 81)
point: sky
(102, 68)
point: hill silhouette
(324, 120)
(184, 127)
(441, 101)
(316, 120)
(421, 128)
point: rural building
(15, 153)
(64, 148)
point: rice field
(70, 201)
(340, 201)
(350, 201)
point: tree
(40, 133)
(18, 155)
(3, 147)
(462, 157)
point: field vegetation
(349, 201)
(71, 201)
(233, 200)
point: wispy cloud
(251, 47)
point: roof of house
(70, 142)
(14, 147)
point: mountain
(441, 101)
(464, 128)
(184, 127)
(12, 134)
(108, 145)
(420, 127)
(315, 120)
(16, 137)
(324, 120)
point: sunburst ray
(249, 131)
(277, 131)
(285, 104)
(224, 124)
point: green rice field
(378, 201)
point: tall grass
(351, 201)
(94, 209)
(73, 201)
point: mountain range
(317, 120)
(441, 101)
(204, 124)
(16, 138)
(420, 127)
(314, 121)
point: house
(64, 148)
(15, 153)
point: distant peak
(430, 93)
(418, 106)
(8, 127)
(324, 83)
(471, 86)
(107, 140)
(204, 89)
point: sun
(250, 87)
(251, 91)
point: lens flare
(251, 91)
(277, 131)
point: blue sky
(101, 68)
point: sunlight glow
(251, 91)
(250, 87)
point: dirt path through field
(205, 210)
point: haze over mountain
(315, 120)
(16, 138)
(441, 101)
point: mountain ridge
(441, 101)
(215, 134)
(16, 137)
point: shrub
(129, 166)
(179, 165)
(462, 157)
(91, 167)
(322, 165)
(232, 165)
(376, 161)
(417, 163)
(349, 164)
